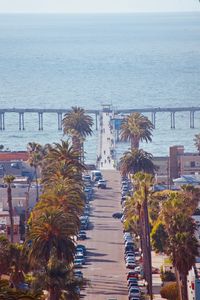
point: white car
(101, 184)
(130, 265)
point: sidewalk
(157, 262)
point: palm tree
(197, 141)
(62, 163)
(136, 160)
(183, 249)
(9, 180)
(182, 245)
(70, 197)
(52, 229)
(57, 278)
(192, 195)
(137, 205)
(64, 152)
(135, 128)
(78, 125)
(143, 185)
(7, 293)
(4, 255)
(36, 154)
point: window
(192, 164)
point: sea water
(127, 60)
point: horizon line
(97, 12)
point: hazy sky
(97, 5)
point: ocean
(127, 60)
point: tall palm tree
(9, 180)
(192, 196)
(7, 293)
(36, 154)
(136, 160)
(62, 162)
(135, 128)
(68, 197)
(78, 125)
(4, 255)
(52, 229)
(197, 141)
(143, 185)
(138, 205)
(56, 277)
(182, 245)
(64, 151)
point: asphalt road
(105, 267)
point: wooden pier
(118, 114)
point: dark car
(117, 215)
(82, 235)
(82, 247)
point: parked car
(101, 184)
(134, 292)
(82, 235)
(130, 264)
(78, 274)
(78, 263)
(81, 257)
(117, 215)
(132, 275)
(155, 270)
(82, 247)
(96, 175)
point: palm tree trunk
(178, 283)
(148, 245)
(10, 207)
(143, 244)
(27, 208)
(135, 143)
(184, 287)
(37, 187)
(54, 293)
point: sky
(97, 6)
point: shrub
(170, 291)
(168, 276)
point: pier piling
(173, 120)
(2, 121)
(192, 119)
(153, 119)
(40, 117)
(59, 121)
(21, 121)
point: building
(162, 172)
(181, 163)
(5, 226)
(187, 179)
(13, 155)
